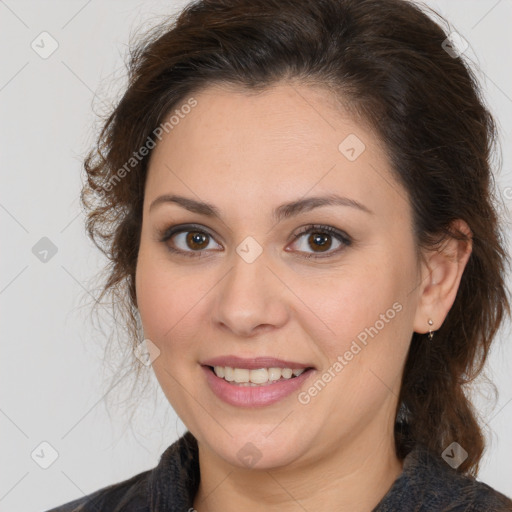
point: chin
(256, 450)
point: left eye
(198, 240)
(321, 237)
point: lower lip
(254, 396)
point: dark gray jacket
(426, 484)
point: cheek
(361, 312)
(347, 301)
(161, 296)
(171, 304)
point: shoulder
(429, 484)
(173, 482)
(130, 495)
(470, 495)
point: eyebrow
(280, 213)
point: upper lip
(253, 363)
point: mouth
(246, 377)
(273, 384)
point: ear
(441, 272)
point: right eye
(193, 239)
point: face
(330, 287)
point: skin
(246, 154)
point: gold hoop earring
(430, 333)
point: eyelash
(166, 234)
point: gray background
(53, 380)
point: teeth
(257, 376)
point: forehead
(286, 142)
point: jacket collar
(173, 484)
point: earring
(430, 333)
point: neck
(354, 478)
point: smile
(235, 386)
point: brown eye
(320, 240)
(196, 240)
(189, 240)
(186, 240)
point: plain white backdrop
(52, 374)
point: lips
(259, 395)
(254, 363)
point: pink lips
(254, 363)
(255, 396)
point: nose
(251, 299)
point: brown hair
(387, 61)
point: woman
(296, 196)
